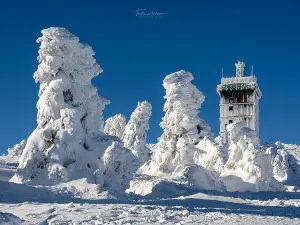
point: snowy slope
(38, 206)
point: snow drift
(67, 143)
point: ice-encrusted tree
(182, 126)
(251, 165)
(14, 153)
(135, 133)
(67, 143)
(115, 125)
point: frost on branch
(67, 143)
(135, 134)
(248, 168)
(115, 125)
(182, 127)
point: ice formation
(115, 125)
(248, 168)
(67, 143)
(182, 127)
(14, 154)
(135, 134)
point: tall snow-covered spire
(183, 128)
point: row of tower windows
(238, 97)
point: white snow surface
(115, 125)
(78, 202)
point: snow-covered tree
(115, 125)
(135, 133)
(183, 128)
(14, 153)
(247, 162)
(67, 143)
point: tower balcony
(235, 84)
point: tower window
(230, 121)
(230, 108)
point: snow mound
(67, 143)
(182, 180)
(198, 177)
(115, 125)
(14, 154)
(9, 219)
(247, 163)
(135, 134)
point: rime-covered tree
(246, 161)
(14, 153)
(115, 125)
(182, 126)
(135, 133)
(67, 143)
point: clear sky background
(137, 53)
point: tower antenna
(252, 72)
(222, 72)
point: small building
(239, 100)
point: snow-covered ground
(42, 205)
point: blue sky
(137, 53)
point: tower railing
(234, 80)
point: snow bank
(115, 125)
(135, 134)
(67, 143)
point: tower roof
(239, 82)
